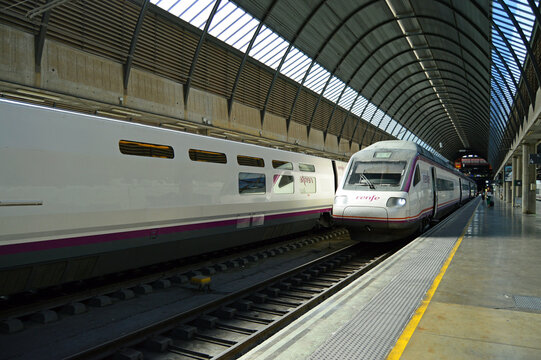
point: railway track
(229, 326)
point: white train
(394, 188)
(82, 196)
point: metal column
(528, 180)
(513, 181)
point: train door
(434, 192)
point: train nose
(369, 213)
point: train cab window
(207, 156)
(375, 175)
(308, 184)
(138, 148)
(307, 167)
(250, 161)
(282, 165)
(417, 176)
(283, 184)
(250, 183)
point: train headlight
(396, 202)
(340, 200)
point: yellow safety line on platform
(403, 340)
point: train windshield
(380, 175)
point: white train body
(82, 196)
(394, 188)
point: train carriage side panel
(85, 192)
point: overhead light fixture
(38, 94)
(17, 96)
(126, 112)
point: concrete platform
(466, 291)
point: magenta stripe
(94, 239)
(408, 183)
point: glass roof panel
(347, 98)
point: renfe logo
(307, 180)
(367, 197)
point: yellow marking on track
(200, 280)
(404, 339)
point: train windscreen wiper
(363, 176)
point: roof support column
(133, 44)
(244, 58)
(515, 189)
(39, 41)
(528, 180)
(196, 54)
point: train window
(381, 175)
(307, 167)
(308, 184)
(207, 156)
(444, 185)
(250, 183)
(283, 184)
(250, 161)
(138, 148)
(417, 176)
(282, 165)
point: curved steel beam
(433, 48)
(133, 44)
(282, 61)
(324, 44)
(524, 41)
(245, 57)
(397, 84)
(390, 60)
(39, 40)
(405, 122)
(196, 54)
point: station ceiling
(454, 73)
(455, 76)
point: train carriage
(83, 196)
(395, 188)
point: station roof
(454, 76)
(447, 71)
(457, 77)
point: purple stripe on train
(93, 239)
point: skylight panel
(334, 89)
(265, 37)
(315, 78)
(200, 13)
(359, 106)
(165, 4)
(369, 112)
(274, 53)
(347, 98)
(385, 123)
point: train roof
(410, 145)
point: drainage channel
(232, 325)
